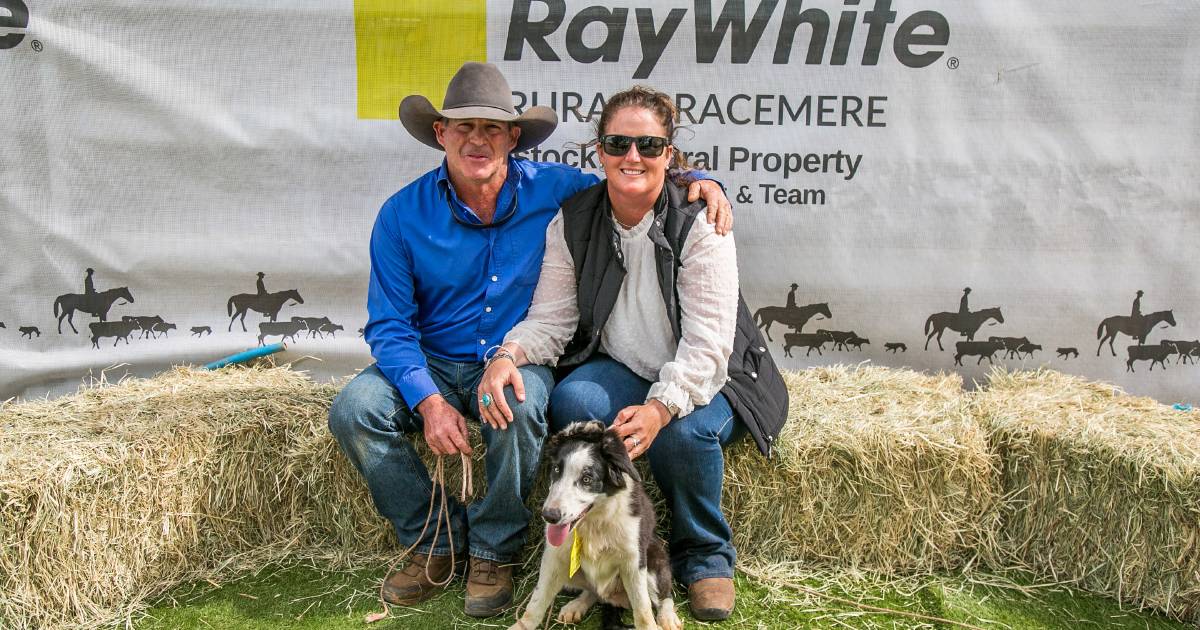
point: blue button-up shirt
(450, 290)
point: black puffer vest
(755, 388)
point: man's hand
(501, 373)
(445, 427)
(720, 213)
(638, 425)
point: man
(89, 287)
(1136, 313)
(455, 257)
(260, 288)
(791, 298)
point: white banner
(882, 156)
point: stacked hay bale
(115, 494)
(876, 468)
(1102, 489)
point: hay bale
(118, 493)
(1102, 489)
(876, 469)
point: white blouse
(638, 333)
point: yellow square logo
(413, 47)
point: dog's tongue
(556, 535)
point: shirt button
(483, 342)
(487, 309)
(754, 375)
(762, 349)
(495, 278)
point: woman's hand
(501, 373)
(638, 425)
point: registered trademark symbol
(952, 63)
(36, 45)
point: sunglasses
(647, 146)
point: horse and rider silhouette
(268, 304)
(795, 317)
(967, 324)
(1139, 328)
(965, 321)
(95, 303)
(1135, 325)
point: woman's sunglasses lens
(617, 145)
(650, 146)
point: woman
(641, 301)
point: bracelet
(502, 353)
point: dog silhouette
(1066, 352)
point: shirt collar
(507, 198)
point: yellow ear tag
(576, 551)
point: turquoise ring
(486, 401)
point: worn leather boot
(711, 599)
(410, 584)
(489, 588)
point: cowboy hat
(477, 90)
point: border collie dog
(600, 536)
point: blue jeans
(373, 425)
(685, 458)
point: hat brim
(417, 115)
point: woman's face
(631, 173)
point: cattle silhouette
(982, 349)
(269, 304)
(2, 325)
(1028, 349)
(96, 304)
(120, 330)
(145, 323)
(1185, 349)
(858, 342)
(162, 327)
(968, 324)
(893, 346)
(332, 329)
(1153, 353)
(1065, 352)
(812, 341)
(1137, 327)
(29, 331)
(794, 317)
(840, 337)
(282, 329)
(313, 325)
(1011, 345)
(200, 330)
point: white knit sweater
(638, 333)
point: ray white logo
(13, 15)
(916, 43)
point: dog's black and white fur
(596, 492)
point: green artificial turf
(307, 597)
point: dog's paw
(574, 611)
(668, 620)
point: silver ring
(486, 401)
(636, 441)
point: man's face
(477, 148)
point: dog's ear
(617, 462)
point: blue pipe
(242, 357)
